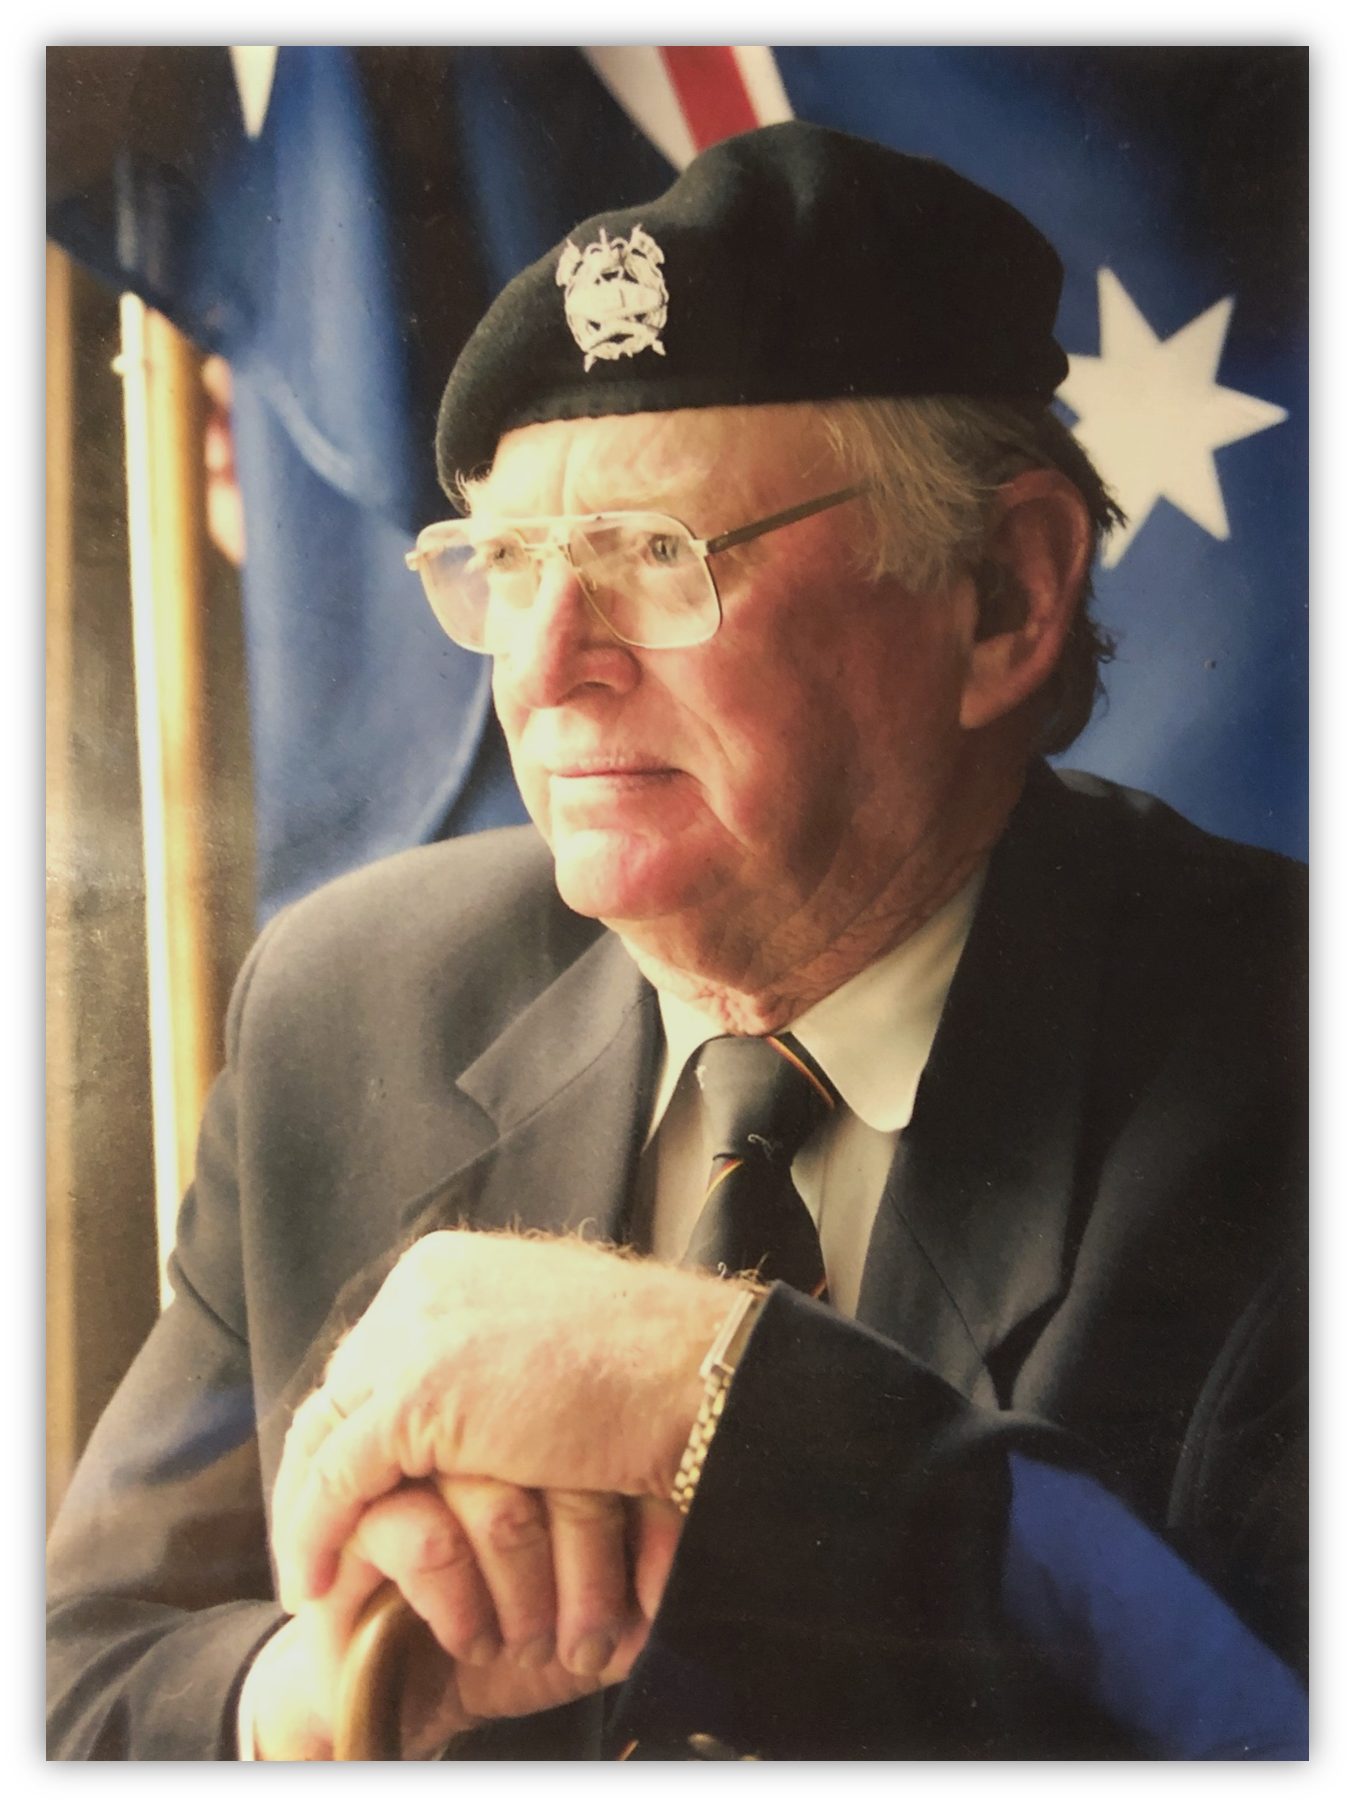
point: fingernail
(484, 1650)
(593, 1653)
(537, 1653)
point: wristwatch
(717, 1370)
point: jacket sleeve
(872, 1567)
(1239, 1502)
(159, 1587)
(159, 1590)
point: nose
(561, 644)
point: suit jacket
(1089, 1247)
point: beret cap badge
(616, 301)
(805, 265)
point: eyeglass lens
(642, 576)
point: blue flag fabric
(366, 719)
(1207, 697)
(297, 256)
(367, 723)
(288, 254)
(1117, 1614)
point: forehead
(686, 460)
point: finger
(415, 1539)
(656, 1529)
(299, 1667)
(509, 1530)
(589, 1545)
(311, 1424)
(336, 1616)
(332, 1468)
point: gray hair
(935, 465)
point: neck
(774, 980)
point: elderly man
(894, 1150)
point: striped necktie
(763, 1097)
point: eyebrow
(673, 495)
(586, 507)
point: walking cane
(372, 1680)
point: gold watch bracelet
(717, 1370)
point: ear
(1039, 546)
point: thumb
(657, 1529)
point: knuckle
(515, 1521)
(600, 1511)
(593, 1588)
(304, 1418)
(410, 1533)
(440, 1549)
(331, 1474)
(424, 1555)
(594, 1579)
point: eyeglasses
(645, 576)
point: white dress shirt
(872, 1037)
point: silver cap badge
(616, 301)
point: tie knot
(764, 1095)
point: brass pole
(161, 374)
(62, 1415)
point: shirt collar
(872, 1035)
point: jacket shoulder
(1170, 863)
(1171, 931)
(476, 923)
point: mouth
(616, 767)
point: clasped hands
(498, 1435)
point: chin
(622, 878)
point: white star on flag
(254, 66)
(1150, 414)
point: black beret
(788, 264)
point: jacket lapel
(970, 1239)
(566, 1089)
(549, 1120)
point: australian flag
(334, 221)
